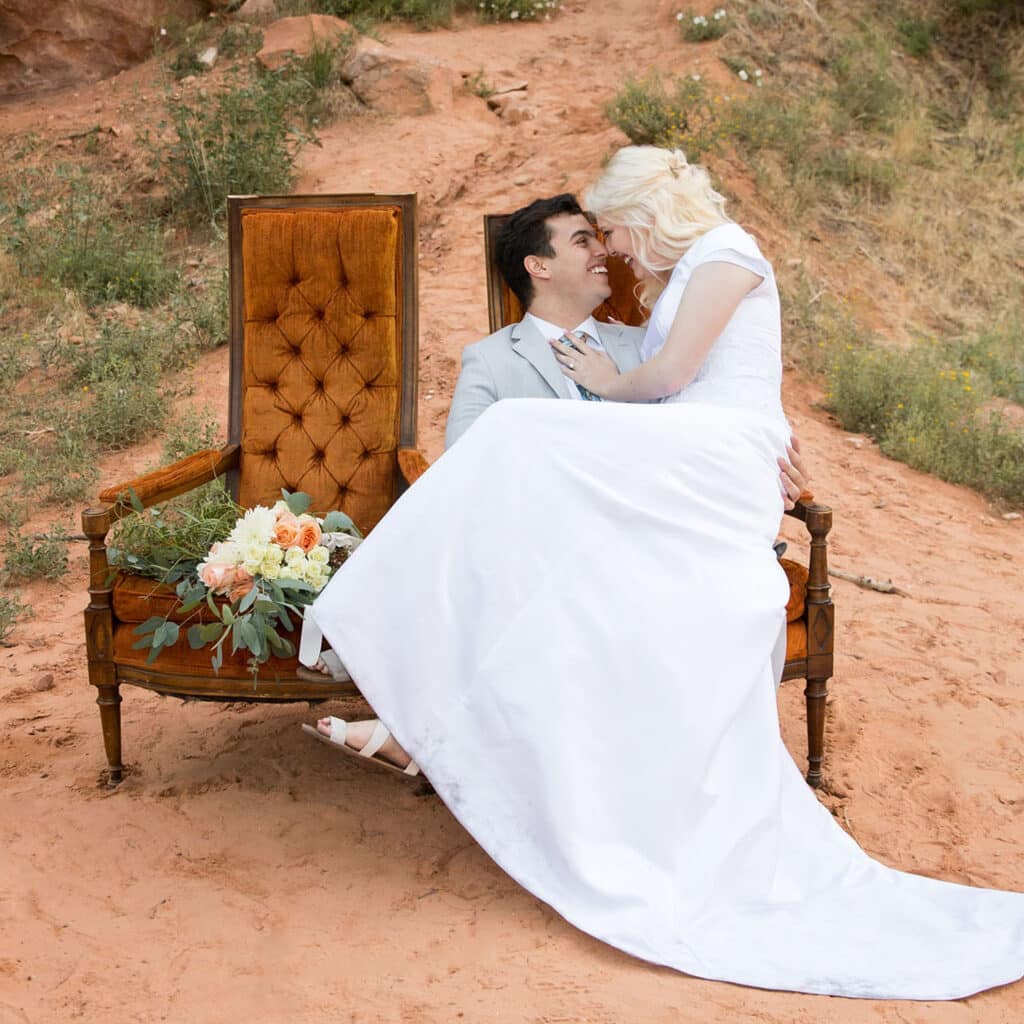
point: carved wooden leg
(109, 700)
(99, 638)
(816, 691)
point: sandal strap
(380, 736)
(412, 768)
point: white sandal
(381, 734)
(311, 656)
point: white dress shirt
(552, 331)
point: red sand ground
(245, 873)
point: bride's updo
(662, 200)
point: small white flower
(679, 16)
(163, 31)
(760, 82)
(743, 75)
(514, 15)
(696, 78)
(757, 72)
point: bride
(569, 623)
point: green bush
(243, 139)
(865, 90)
(424, 13)
(700, 28)
(673, 113)
(517, 10)
(915, 36)
(28, 558)
(103, 253)
(11, 609)
(930, 412)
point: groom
(550, 256)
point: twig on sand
(882, 586)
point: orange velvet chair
(810, 615)
(322, 400)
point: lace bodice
(744, 367)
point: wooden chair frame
(818, 618)
(158, 486)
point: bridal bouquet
(271, 565)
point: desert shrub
(240, 40)
(242, 139)
(62, 472)
(517, 10)
(866, 91)
(105, 254)
(926, 410)
(915, 36)
(677, 112)
(201, 314)
(11, 609)
(29, 558)
(424, 13)
(700, 28)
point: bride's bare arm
(708, 303)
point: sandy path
(242, 872)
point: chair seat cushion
(797, 576)
(796, 640)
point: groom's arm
(474, 392)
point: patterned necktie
(587, 396)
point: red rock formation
(47, 44)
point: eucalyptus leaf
(338, 522)
(149, 625)
(297, 503)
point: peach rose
(242, 584)
(309, 534)
(286, 530)
(217, 577)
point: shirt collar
(550, 330)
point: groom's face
(577, 269)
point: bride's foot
(358, 734)
(328, 664)
(370, 739)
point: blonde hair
(663, 201)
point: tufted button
(318, 314)
(295, 280)
(319, 455)
(365, 454)
(345, 419)
(345, 348)
(342, 491)
(368, 315)
(297, 417)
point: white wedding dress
(568, 623)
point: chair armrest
(412, 463)
(184, 475)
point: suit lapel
(528, 342)
(623, 351)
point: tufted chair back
(505, 308)
(323, 357)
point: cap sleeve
(729, 243)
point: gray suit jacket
(517, 362)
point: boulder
(256, 10)
(50, 44)
(294, 37)
(396, 81)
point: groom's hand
(794, 476)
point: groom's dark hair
(526, 233)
